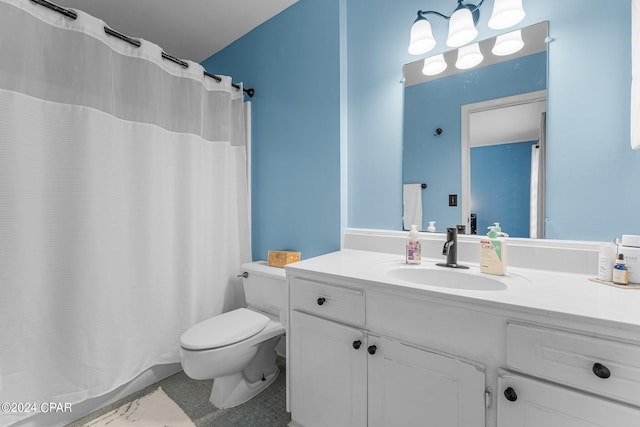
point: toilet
(237, 349)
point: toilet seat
(224, 329)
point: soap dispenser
(413, 246)
(493, 251)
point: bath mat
(153, 410)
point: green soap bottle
(493, 251)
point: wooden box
(282, 258)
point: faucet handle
(452, 234)
(445, 248)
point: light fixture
(506, 13)
(507, 44)
(421, 37)
(462, 24)
(462, 27)
(469, 56)
(434, 65)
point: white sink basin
(446, 278)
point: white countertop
(565, 295)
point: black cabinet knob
(321, 300)
(357, 344)
(510, 394)
(601, 371)
(372, 349)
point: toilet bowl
(237, 349)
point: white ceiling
(186, 29)
(504, 125)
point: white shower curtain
(123, 205)
(538, 183)
(635, 74)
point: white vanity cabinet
(410, 386)
(546, 350)
(328, 369)
(526, 402)
(342, 373)
(583, 380)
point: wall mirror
(476, 137)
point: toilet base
(234, 390)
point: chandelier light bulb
(469, 56)
(462, 30)
(421, 40)
(434, 65)
(509, 43)
(506, 13)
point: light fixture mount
(473, 8)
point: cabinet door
(526, 402)
(409, 386)
(328, 374)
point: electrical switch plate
(453, 200)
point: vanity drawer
(333, 302)
(599, 365)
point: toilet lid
(224, 329)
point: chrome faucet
(450, 249)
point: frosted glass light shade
(506, 13)
(469, 56)
(421, 40)
(434, 65)
(461, 28)
(508, 43)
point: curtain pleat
(123, 206)
(533, 194)
(635, 74)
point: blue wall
(435, 160)
(501, 187)
(293, 61)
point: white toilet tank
(265, 287)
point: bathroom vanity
(375, 342)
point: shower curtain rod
(69, 13)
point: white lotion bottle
(606, 261)
(413, 246)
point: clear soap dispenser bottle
(413, 246)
